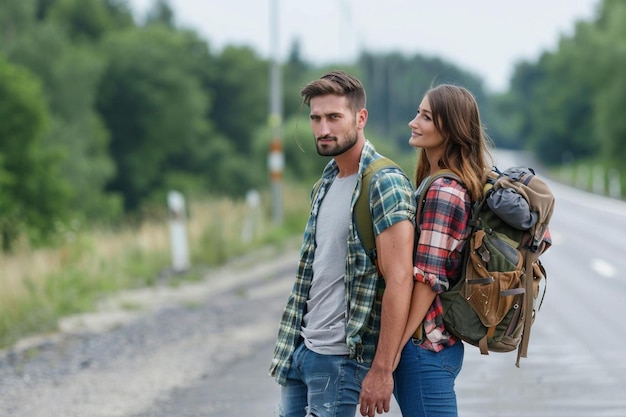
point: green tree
(16, 17)
(502, 121)
(33, 196)
(570, 100)
(161, 12)
(295, 73)
(561, 109)
(89, 20)
(70, 76)
(240, 96)
(153, 104)
(610, 98)
(396, 83)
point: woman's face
(424, 134)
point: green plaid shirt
(392, 201)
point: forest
(102, 112)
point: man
(337, 343)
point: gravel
(142, 345)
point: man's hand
(376, 393)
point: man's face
(333, 124)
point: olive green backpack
(502, 283)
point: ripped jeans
(321, 385)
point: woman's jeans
(321, 385)
(424, 380)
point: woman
(447, 129)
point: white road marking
(603, 268)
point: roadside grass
(39, 286)
(596, 176)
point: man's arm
(421, 300)
(395, 261)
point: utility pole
(276, 159)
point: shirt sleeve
(391, 194)
(443, 231)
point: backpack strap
(362, 208)
(532, 259)
(423, 190)
(421, 199)
(362, 215)
(522, 350)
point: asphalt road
(203, 349)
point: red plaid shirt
(438, 257)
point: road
(203, 349)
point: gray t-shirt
(323, 326)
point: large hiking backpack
(502, 283)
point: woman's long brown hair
(456, 116)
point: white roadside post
(251, 224)
(598, 183)
(615, 186)
(178, 231)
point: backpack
(502, 281)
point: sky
(485, 37)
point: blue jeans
(424, 380)
(321, 385)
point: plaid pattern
(392, 201)
(438, 257)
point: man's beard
(337, 148)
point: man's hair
(338, 83)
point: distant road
(203, 349)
